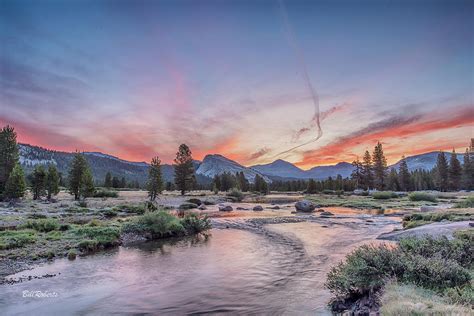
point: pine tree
(38, 182)
(367, 175)
(441, 172)
(184, 177)
(454, 172)
(123, 183)
(260, 185)
(468, 170)
(87, 184)
(108, 180)
(8, 155)
(217, 183)
(81, 183)
(155, 179)
(16, 186)
(379, 167)
(242, 182)
(311, 189)
(393, 183)
(357, 175)
(52, 182)
(115, 183)
(404, 175)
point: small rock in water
(320, 210)
(225, 208)
(202, 207)
(305, 206)
(276, 207)
(258, 208)
(241, 209)
(187, 206)
(326, 213)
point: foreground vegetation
(442, 266)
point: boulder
(187, 206)
(225, 208)
(320, 210)
(241, 209)
(258, 208)
(202, 207)
(194, 201)
(276, 207)
(305, 206)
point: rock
(187, 206)
(202, 207)
(241, 209)
(434, 230)
(258, 208)
(225, 208)
(326, 213)
(305, 206)
(320, 210)
(194, 201)
(208, 203)
(276, 207)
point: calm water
(276, 270)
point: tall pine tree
(52, 182)
(155, 179)
(442, 170)
(367, 175)
(81, 184)
(357, 175)
(454, 172)
(404, 176)
(184, 176)
(8, 155)
(379, 167)
(38, 182)
(108, 180)
(468, 170)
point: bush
(467, 203)
(105, 194)
(459, 250)
(437, 264)
(193, 224)
(126, 208)
(194, 201)
(326, 191)
(155, 224)
(82, 204)
(236, 194)
(16, 239)
(364, 271)
(422, 196)
(88, 245)
(384, 195)
(461, 295)
(42, 225)
(72, 254)
(434, 272)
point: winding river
(244, 266)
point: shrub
(109, 212)
(384, 195)
(326, 191)
(16, 239)
(461, 295)
(364, 271)
(105, 194)
(88, 245)
(155, 224)
(422, 196)
(236, 194)
(434, 272)
(194, 201)
(42, 225)
(137, 209)
(467, 203)
(82, 204)
(193, 224)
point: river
(241, 267)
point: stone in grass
(187, 206)
(305, 206)
(258, 208)
(225, 208)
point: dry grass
(411, 300)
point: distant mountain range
(212, 165)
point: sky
(137, 78)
